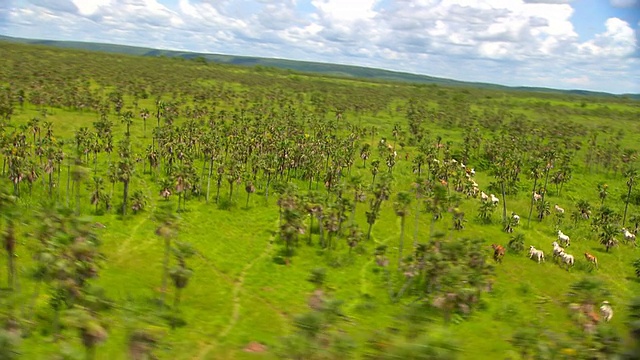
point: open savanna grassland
(253, 131)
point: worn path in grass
(237, 288)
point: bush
(516, 244)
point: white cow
(629, 236)
(558, 209)
(536, 196)
(494, 199)
(606, 311)
(567, 259)
(539, 254)
(516, 218)
(472, 172)
(483, 196)
(557, 249)
(564, 239)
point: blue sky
(565, 44)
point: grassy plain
(239, 294)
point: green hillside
(299, 66)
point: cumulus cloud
(513, 42)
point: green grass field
(240, 292)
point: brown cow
(591, 258)
(498, 252)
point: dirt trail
(124, 246)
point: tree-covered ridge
(225, 187)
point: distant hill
(300, 66)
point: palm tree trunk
(626, 205)
(310, 229)
(247, 204)
(266, 189)
(218, 190)
(11, 269)
(209, 178)
(125, 195)
(504, 203)
(91, 352)
(401, 244)
(68, 180)
(321, 230)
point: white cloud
(89, 7)
(514, 42)
(618, 40)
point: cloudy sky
(567, 44)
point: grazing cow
(592, 259)
(557, 249)
(516, 218)
(536, 196)
(537, 253)
(494, 199)
(498, 252)
(567, 259)
(629, 236)
(483, 196)
(564, 239)
(558, 209)
(606, 311)
(472, 172)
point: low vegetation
(177, 209)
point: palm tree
(98, 195)
(127, 119)
(180, 274)
(365, 153)
(485, 211)
(78, 175)
(603, 192)
(144, 114)
(607, 235)
(634, 328)
(374, 170)
(9, 240)
(631, 175)
(535, 173)
(401, 208)
(516, 243)
(381, 192)
(8, 212)
(124, 171)
(250, 189)
(141, 343)
(291, 225)
(544, 209)
(458, 218)
(353, 236)
(167, 230)
(635, 220)
(91, 330)
(138, 201)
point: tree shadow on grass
(633, 279)
(282, 256)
